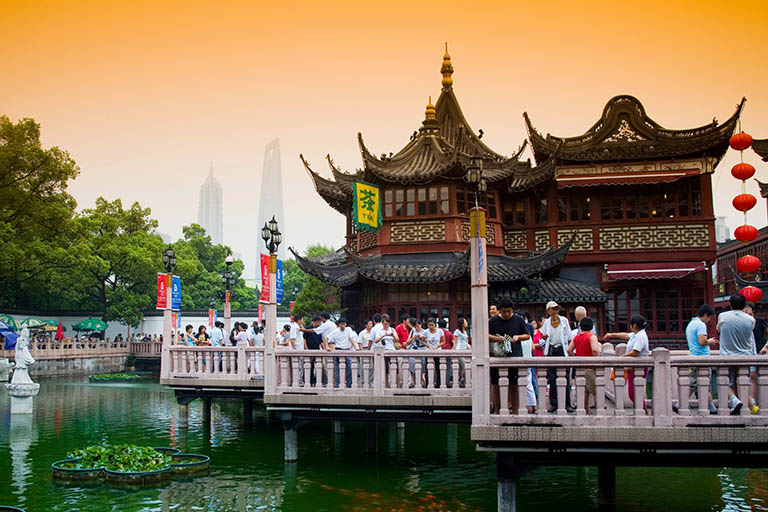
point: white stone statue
(21, 388)
(23, 359)
(5, 369)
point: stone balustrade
(371, 372)
(211, 366)
(69, 349)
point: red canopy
(664, 270)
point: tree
(200, 263)
(315, 296)
(35, 213)
(119, 254)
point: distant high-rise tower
(271, 200)
(209, 214)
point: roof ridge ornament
(430, 123)
(447, 69)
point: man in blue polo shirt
(699, 345)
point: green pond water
(423, 468)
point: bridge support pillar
(291, 442)
(507, 475)
(248, 411)
(606, 482)
(183, 415)
(338, 427)
(400, 424)
(206, 411)
(371, 437)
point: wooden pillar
(606, 482)
(480, 346)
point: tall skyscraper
(271, 195)
(209, 214)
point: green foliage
(113, 377)
(125, 458)
(35, 213)
(314, 296)
(104, 258)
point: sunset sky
(144, 95)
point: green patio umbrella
(92, 324)
(8, 319)
(31, 323)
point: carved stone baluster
(392, 373)
(742, 382)
(581, 386)
(405, 373)
(307, 372)
(723, 392)
(443, 373)
(355, 365)
(418, 372)
(456, 377)
(294, 372)
(683, 391)
(541, 378)
(703, 378)
(562, 382)
(522, 391)
(504, 391)
(762, 389)
(618, 383)
(639, 384)
(600, 392)
(431, 373)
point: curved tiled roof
(760, 146)
(508, 268)
(625, 132)
(540, 291)
(333, 269)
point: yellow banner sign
(366, 212)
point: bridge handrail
(672, 378)
(226, 363)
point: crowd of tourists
(517, 334)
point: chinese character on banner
(176, 293)
(366, 207)
(162, 291)
(264, 278)
(227, 310)
(178, 320)
(174, 319)
(261, 313)
(211, 317)
(279, 282)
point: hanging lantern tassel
(752, 293)
(748, 264)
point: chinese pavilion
(619, 220)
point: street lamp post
(169, 261)
(227, 280)
(479, 298)
(272, 239)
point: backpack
(232, 336)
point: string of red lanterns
(744, 202)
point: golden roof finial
(447, 69)
(430, 114)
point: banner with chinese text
(176, 293)
(162, 291)
(366, 207)
(227, 310)
(264, 278)
(279, 282)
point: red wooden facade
(628, 191)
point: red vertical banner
(290, 308)
(162, 291)
(210, 317)
(227, 310)
(174, 319)
(264, 278)
(261, 313)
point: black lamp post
(169, 262)
(169, 259)
(475, 177)
(227, 279)
(272, 239)
(271, 235)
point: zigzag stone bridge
(388, 386)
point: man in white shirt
(579, 313)
(342, 338)
(325, 328)
(365, 340)
(296, 342)
(375, 329)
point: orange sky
(144, 94)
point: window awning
(667, 176)
(653, 270)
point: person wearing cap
(342, 338)
(557, 334)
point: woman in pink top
(538, 339)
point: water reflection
(423, 466)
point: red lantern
(748, 264)
(752, 293)
(741, 141)
(743, 171)
(744, 202)
(745, 233)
